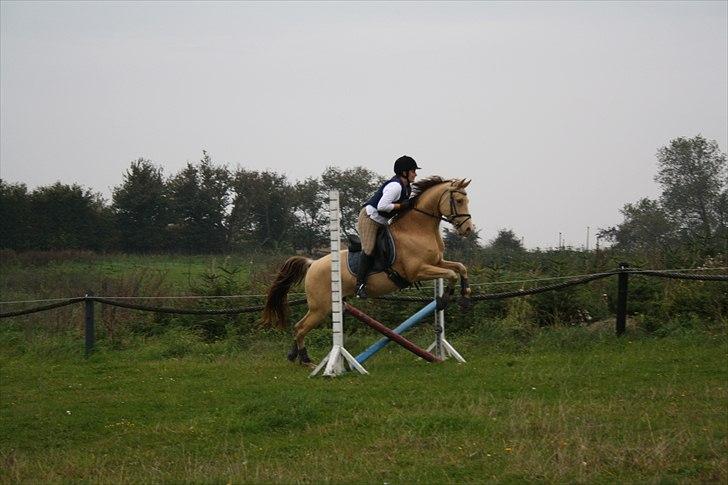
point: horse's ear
(465, 183)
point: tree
(455, 242)
(355, 186)
(506, 241)
(693, 175)
(198, 203)
(310, 205)
(141, 209)
(646, 226)
(68, 217)
(14, 216)
(263, 209)
(721, 234)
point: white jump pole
(334, 363)
(441, 347)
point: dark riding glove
(407, 204)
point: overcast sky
(555, 110)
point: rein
(453, 210)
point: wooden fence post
(622, 287)
(89, 319)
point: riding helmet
(404, 164)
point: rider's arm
(391, 192)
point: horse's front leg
(432, 272)
(460, 269)
(465, 302)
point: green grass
(116, 274)
(569, 406)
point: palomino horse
(419, 248)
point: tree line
(209, 208)
(204, 208)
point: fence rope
(189, 297)
(652, 272)
(33, 301)
(680, 276)
(553, 278)
(187, 311)
(511, 294)
(179, 297)
(180, 311)
(42, 308)
(474, 297)
(535, 280)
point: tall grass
(654, 303)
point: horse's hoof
(293, 353)
(303, 357)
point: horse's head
(453, 206)
(446, 200)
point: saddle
(384, 256)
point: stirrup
(361, 291)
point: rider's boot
(365, 264)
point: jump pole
(379, 327)
(403, 327)
(335, 362)
(441, 347)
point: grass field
(70, 274)
(570, 405)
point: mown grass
(567, 406)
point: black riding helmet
(404, 164)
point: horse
(419, 248)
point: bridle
(453, 210)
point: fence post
(622, 286)
(89, 319)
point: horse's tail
(276, 309)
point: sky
(555, 110)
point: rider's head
(404, 164)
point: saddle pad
(384, 257)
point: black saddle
(384, 255)
(384, 252)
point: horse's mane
(418, 188)
(427, 183)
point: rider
(390, 198)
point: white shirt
(391, 192)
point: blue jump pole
(403, 327)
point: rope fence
(577, 279)
(622, 273)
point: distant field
(47, 276)
(570, 406)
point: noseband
(453, 210)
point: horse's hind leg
(309, 321)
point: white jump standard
(338, 356)
(441, 347)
